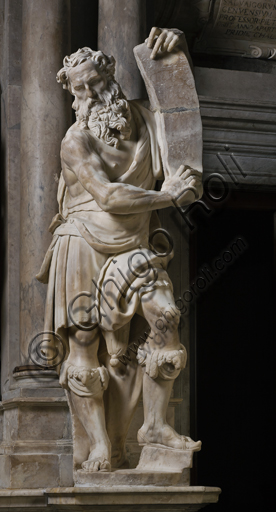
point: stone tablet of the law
(171, 88)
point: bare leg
(164, 355)
(91, 413)
(121, 399)
(122, 395)
(89, 409)
(155, 428)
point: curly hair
(104, 63)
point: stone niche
(238, 111)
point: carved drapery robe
(91, 244)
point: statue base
(158, 465)
(109, 499)
(157, 458)
(129, 477)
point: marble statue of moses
(101, 269)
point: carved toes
(189, 444)
(105, 466)
(91, 465)
(96, 465)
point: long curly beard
(106, 116)
(107, 120)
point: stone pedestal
(157, 466)
(36, 450)
(159, 458)
(131, 477)
(109, 499)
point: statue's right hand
(162, 40)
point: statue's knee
(86, 337)
(164, 364)
(84, 381)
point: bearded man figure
(100, 250)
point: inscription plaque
(240, 27)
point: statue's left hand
(162, 39)
(184, 182)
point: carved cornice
(239, 117)
(239, 141)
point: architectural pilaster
(122, 25)
(35, 449)
(45, 117)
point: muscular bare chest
(116, 161)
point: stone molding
(103, 499)
(239, 127)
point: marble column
(122, 25)
(10, 78)
(45, 117)
(35, 446)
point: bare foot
(166, 436)
(96, 465)
(99, 459)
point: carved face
(99, 104)
(86, 81)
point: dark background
(234, 333)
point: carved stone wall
(239, 126)
(239, 27)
